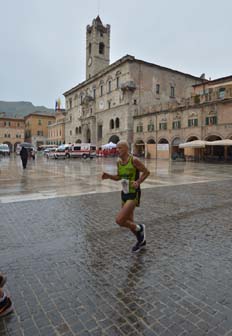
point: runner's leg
(125, 217)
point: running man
(129, 169)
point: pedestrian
(33, 153)
(132, 172)
(6, 305)
(24, 156)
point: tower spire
(97, 47)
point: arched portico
(176, 152)
(9, 144)
(78, 141)
(114, 138)
(150, 149)
(139, 148)
(215, 153)
(192, 138)
(163, 149)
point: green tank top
(129, 172)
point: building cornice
(183, 108)
(124, 59)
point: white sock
(138, 228)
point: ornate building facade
(152, 107)
(56, 130)
(11, 131)
(36, 128)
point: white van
(81, 150)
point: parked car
(50, 154)
(4, 149)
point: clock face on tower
(89, 61)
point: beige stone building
(36, 128)
(56, 130)
(11, 131)
(103, 107)
(205, 115)
(154, 108)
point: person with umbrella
(24, 156)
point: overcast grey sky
(43, 41)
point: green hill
(21, 109)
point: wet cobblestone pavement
(70, 270)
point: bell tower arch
(97, 47)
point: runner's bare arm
(145, 172)
(109, 176)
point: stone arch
(78, 141)
(192, 138)
(213, 151)
(163, 141)
(139, 148)
(176, 152)
(9, 144)
(176, 141)
(151, 141)
(213, 137)
(151, 148)
(114, 138)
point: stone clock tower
(97, 47)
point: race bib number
(125, 186)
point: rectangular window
(192, 122)
(150, 128)
(39, 122)
(109, 104)
(172, 92)
(211, 120)
(140, 128)
(163, 126)
(157, 90)
(70, 103)
(94, 93)
(176, 124)
(222, 93)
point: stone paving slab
(70, 270)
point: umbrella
(110, 145)
(224, 142)
(194, 144)
(26, 145)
